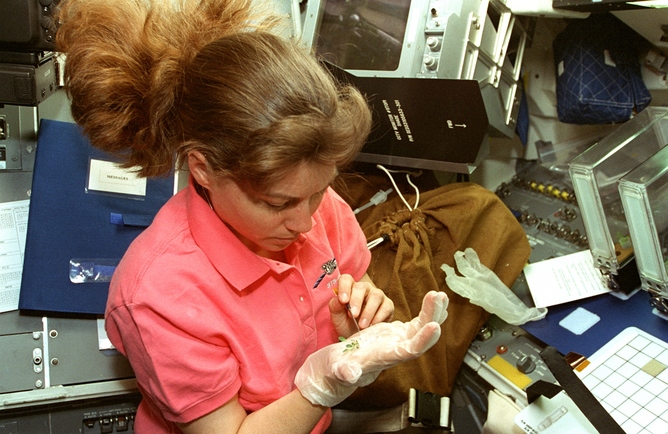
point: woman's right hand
(361, 300)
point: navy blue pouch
(598, 73)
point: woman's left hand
(368, 304)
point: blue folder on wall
(78, 227)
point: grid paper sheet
(629, 376)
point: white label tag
(109, 177)
(608, 59)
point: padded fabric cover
(599, 79)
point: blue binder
(70, 223)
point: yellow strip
(509, 371)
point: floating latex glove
(484, 288)
(332, 373)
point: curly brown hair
(150, 82)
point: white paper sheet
(563, 279)
(13, 229)
(553, 416)
(102, 339)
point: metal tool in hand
(336, 291)
(354, 319)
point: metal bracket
(429, 410)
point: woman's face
(269, 221)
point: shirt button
(301, 298)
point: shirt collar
(231, 258)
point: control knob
(525, 364)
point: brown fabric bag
(407, 266)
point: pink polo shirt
(202, 318)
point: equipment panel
(110, 415)
(74, 356)
(545, 205)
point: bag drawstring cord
(408, 179)
(373, 243)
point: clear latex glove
(484, 288)
(332, 373)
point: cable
(408, 174)
(417, 190)
(377, 198)
(378, 241)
